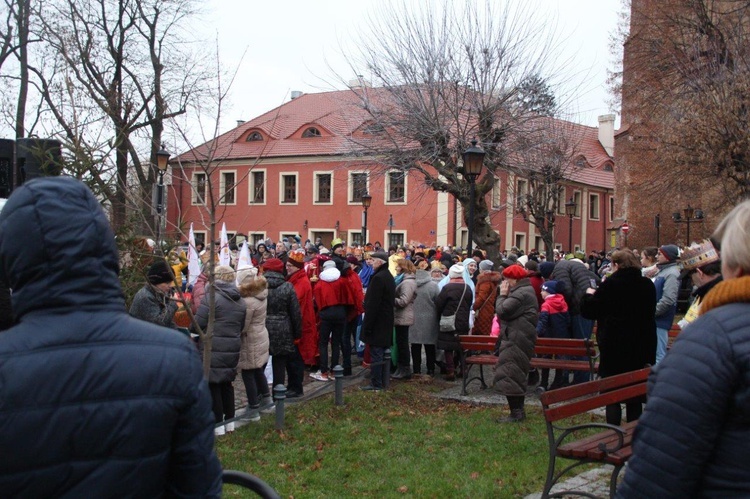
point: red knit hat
(273, 265)
(515, 272)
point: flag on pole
(224, 257)
(244, 262)
(194, 265)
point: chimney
(296, 94)
(359, 82)
(239, 122)
(607, 133)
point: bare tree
(125, 59)
(445, 75)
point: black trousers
(255, 385)
(416, 357)
(278, 365)
(402, 345)
(222, 398)
(295, 369)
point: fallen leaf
(474, 475)
(403, 489)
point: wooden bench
(476, 350)
(610, 446)
(560, 353)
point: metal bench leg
(613, 481)
(481, 376)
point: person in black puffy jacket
(693, 436)
(93, 402)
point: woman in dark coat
(283, 318)
(518, 312)
(229, 319)
(454, 298)
(624, 307)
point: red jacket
(356, 294)
(308, 344)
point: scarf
(731, 291)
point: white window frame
(281, 188)
(497, 194)
(521, 246)
(403, 233)
(205, 237)
(594, 201)
(351, 232)
(350, 186)
(260, 235)
(222, 187)
(520, 192)
(561, 200)
(316, 184)
(386, 193)
(251, 187)
(578, 198)
(194, 200)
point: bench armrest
(571, 430)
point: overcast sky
(291, 44)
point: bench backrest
(483, 343)
(565, 346)
(577, 399)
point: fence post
(386, 368)
(279, 395)
(338, 373)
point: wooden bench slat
(485, 360)
(582, 448)
(582, 389)
(589, 403)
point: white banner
(194, 264)
(224, 256)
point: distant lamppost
(473, 161)
(570, 210)
(162, 161)
(691, 215)
(366, 202)
(391, 223)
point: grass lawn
(399, 443)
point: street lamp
(570, 210)
(691, 215)
(473, 161)
(162, 161)
(366, 202)
(390, 230)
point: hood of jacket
(556, 303)
(330, 274)
(422, 277)
(57, 249)
(257, 288)
(274, 279)
(228, 289)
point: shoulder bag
(448, 322)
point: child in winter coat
(554, 322)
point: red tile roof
(338, 115)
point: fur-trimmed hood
(257, 288)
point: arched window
(255, 136)
(608, 167)
(311, 132)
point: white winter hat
(456, 271)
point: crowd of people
(305, 308)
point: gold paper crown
(699, 255)
(297, 255)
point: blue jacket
(93, 402)
(554, 319)
(693, 437)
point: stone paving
(594, 481)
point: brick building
(292, 171)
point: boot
(266, 404)
(402, 373)
(533, 377)
(517, 412)
(252, 414)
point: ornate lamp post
(691, 215)
(366, 202)
(473, 161)
(570, 210)
(162, 161)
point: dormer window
(580, 162)
(254, 136)
(311, 132)
(608, 167)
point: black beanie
(159, 273)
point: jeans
(222, 400)
(662, 335)
(255, 385)
(581, 329)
